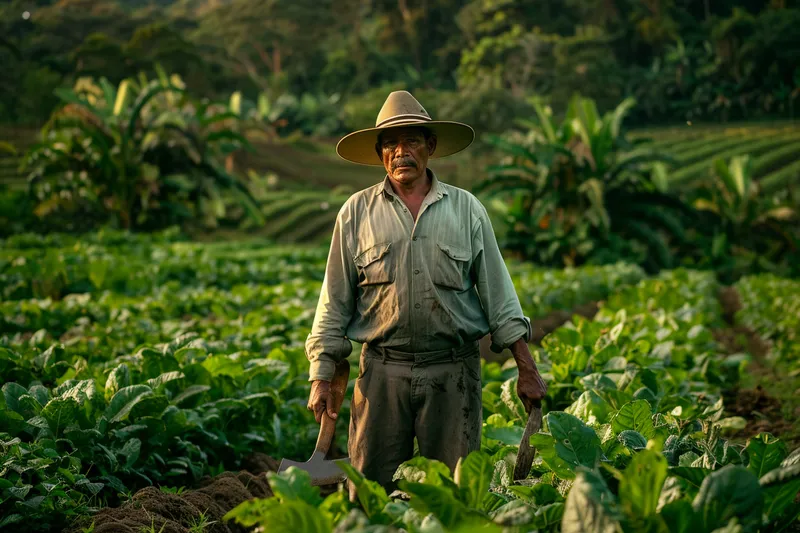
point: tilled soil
(763, 412)
(177, 513)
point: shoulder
(465, 201)
(358, 201)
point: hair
(427, 133)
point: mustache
(403, 162)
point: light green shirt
(434, 284)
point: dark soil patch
(762, 411)
(541, 328)
(177, 513)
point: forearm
(522, 355)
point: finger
(329, 405)
(319, 408)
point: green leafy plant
(143, 151)
(581, 193)
(751, 231)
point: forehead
(397, 133)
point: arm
(509, 327)
(327, 344)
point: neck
(417, 188)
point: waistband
(436, 356)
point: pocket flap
(454, 252)
(372, 254)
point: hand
(531, 388)
(321, 399)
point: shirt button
(416, 271)
(417, 306)
(414, 238)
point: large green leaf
(422, 470)
(441, 501)
(370, 494)
(273, 515)
(591, 408)
(636, 416)
(575, 442)
(590, 506)
(59, 413)
(294, 484)
(765, 452)
(732, 491)
(124, 400)
(781, 487)
(473, 475)
(640, 486)
(119, 378)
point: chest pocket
(375, 265)
(452, 267)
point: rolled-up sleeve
(327, 343)
(507, 323)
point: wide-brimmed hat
(401, 109)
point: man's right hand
(321, 399)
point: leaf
(591, 408)
(632, 439)
(131, 451)
(438, 500)
(694, 475)
(590, 506)
(765, 452)
(119, 378)
(575, 442)
(370, 494)
(731, 491)
(781, 487)
(270, 514)
(422, 470)
(473, 474)
(20, 492)
(294, 484)
(12, 393)
(640, 485)
(636, 416)
(124, 400)
(192, 390)
(59, 413)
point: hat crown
(401, 106)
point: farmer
(414, 273)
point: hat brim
(451, 137)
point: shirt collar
(436, 192)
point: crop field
(138, 372)
(773, 148)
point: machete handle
(526, 452)
(338, 387)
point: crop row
(771, 306)
(169, 361)
(633, 440)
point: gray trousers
(433, 396)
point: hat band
(403, 118)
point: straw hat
(401, 110)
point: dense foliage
(683, 60)
(633, 440)
(130, 360)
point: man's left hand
(531, 388)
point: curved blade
(526, 452)
(322, 471)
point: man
(415, 274)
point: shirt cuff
(510, 332)
(321, 369)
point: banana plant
(744, 215)
(580, 185)
(144, 152)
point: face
(405, 153)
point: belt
(436, 356)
